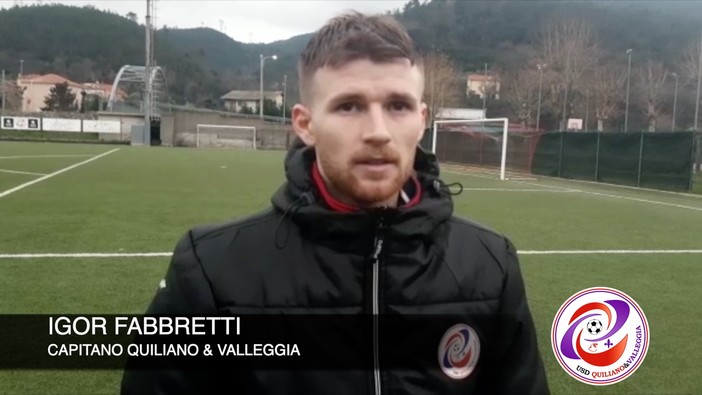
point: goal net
(487, 146)
(226, 136)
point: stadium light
(541, 67)
(263, 61)
(675, 99)
(628, 78)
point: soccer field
(71, 199)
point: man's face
(365, 120)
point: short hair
(353, 36)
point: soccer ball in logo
(594, 327)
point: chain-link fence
(642, 159)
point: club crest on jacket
(459, 351)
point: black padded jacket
(299, 255)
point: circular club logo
(600, 336)
(459, 351)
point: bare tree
(521, 91)
(441, 82)
(606, 87)
(567, 44)
(13, 95)
(652, 78)
(689, 63)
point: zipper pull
(378, 242)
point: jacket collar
(300, 199)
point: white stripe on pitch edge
(87, 255)
(168, 254)
(589, 252)
(26, 173)
(43, 156)
(65, 169)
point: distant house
(236, 100)
(103, 90)
(38, 86)
(478, 84)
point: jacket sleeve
(185, 290)
(517, 366)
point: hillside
(201, 64)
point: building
(236, 100)
(478, 83)
(36, 87)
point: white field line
(591, 252)
(21, 172)
(511, 190)
(46, 177)
(169, 254)
(609, 195)
(87, 255)
(594, 183)
(496, 178)
(44, 156)
(614, 196)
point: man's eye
(347, 107)
(399, 106)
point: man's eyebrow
(402, 96)
(356, 97)
(346, 97)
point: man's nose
(377, 131)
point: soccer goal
(226, 136)
(485, 146)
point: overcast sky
(243, 20)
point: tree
(652, 78)
(245, 109)
(521, 91)
(567, 44)
(689, 63)
(12, 94)
(60, 98)
(440, 87)
(132, 17)
(607, 83)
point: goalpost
(227, 136)
(484, 145)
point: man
(364, 226)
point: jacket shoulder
(474, 228)
(475, 234)
(204, 232)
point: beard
(351, 185)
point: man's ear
(425, 114)
(301, 120)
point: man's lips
(375, 161)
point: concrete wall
(180, 126)
(126, 121)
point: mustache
(385, 155)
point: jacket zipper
(377, 249)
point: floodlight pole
(485, 76)
(263, 61)
(541, 67)
(3, 91)
(699, 83)
(587, 107)
(147, 77)
(285, 91)
(628, 78)
(675, 100)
